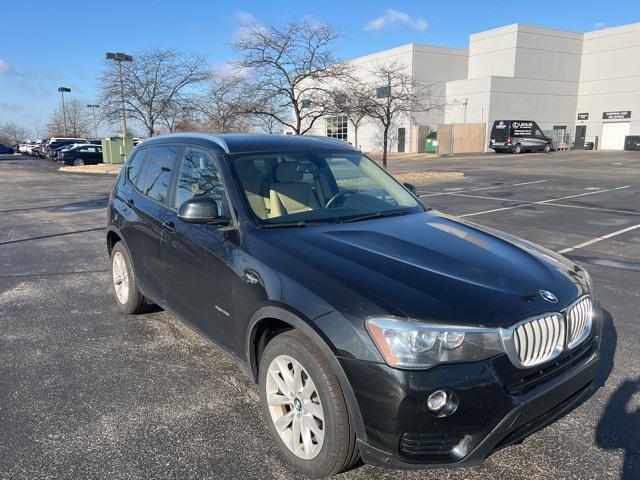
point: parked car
(84, 154)
(375, 326)
(517, 136)
(5, 149)
(55, 144)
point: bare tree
(393, 93)
(13, 134)
(352, 101)
(265, 124)
(223, 107)
(156, 83)
(79, 123)
(78, 120)
(290, 71)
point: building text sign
(583, 116)
(616, 115)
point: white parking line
(598, 239)
(493, 187)
(543, 202)
(524, 203)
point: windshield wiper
(298, 224)
(370, 216)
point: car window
(135, 168)
(159, 166)
(200, 176)
(318, 186)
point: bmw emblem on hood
(548, 296)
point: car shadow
(619, 425)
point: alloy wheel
(295, 407)
(120, 277)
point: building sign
(620, 114)
(583, 116)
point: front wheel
(78, 162)
(125, 286)
(304, 407)
(547, 148)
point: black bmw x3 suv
(376, 327)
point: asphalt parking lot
(88, 393)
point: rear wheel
(304, 407)
(78, 162)
(125, 287)
(517, 149)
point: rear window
(500, 131)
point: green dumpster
(431, 143)
(116, 149)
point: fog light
(437, 400)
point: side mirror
(411, 187)
(201, 210)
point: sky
(46, 44)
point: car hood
(434, 267)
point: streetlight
(95, 123)
(121, 57)
(62, 90)
(465, 103)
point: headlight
(414, 344)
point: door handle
(169, 226)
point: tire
(517, 149)
(128, 298)
(78, 162)
(547, 148)
(316, 456)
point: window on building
(341, 99)
(383, 92)
(337, 127)
(306, 103)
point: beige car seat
(291, 195)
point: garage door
(613, 135)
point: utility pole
(465, 103)
(121, 57)
(95, 123)
(64, 115)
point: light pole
(121, 57)
(465, 103)
(95, 123)
(62, 90)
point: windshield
(319, 187)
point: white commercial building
(587, 84)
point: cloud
(244, 18)
(6, 68)
(394, 17)
(598, 25)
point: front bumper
(499, 406)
